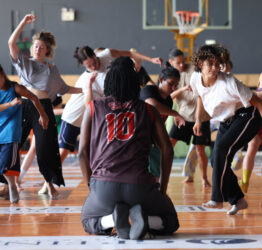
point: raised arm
(137, 56)
(23, 91)
(89, 91)
(14, 50)
(161, 139)
(74, 90)
(84, 146)
(179, 91)
(165, 110)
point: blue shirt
(11, 118)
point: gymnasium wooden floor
(40, 223)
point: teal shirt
(11, 118)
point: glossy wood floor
(26, 225)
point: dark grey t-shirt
(45, 77)
(121, 141)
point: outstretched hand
(29, 18)
(157, 60)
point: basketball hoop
(186, 21)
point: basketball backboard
(213, 14)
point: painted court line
(105, 242)
(77, 210)
(68, 183)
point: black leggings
(47, 150)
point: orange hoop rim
(189, 13)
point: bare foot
(213, 204)
(52, 191)
(205, 183)
(4, 192)
(18, 185)
(44, 189)
(14, 195)
(188, 179)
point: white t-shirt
(75, 107)
(223, 98)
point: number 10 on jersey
(120, 126)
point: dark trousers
(232, 135)
(104, 195)
(47, 150)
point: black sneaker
(139, 223)
(121, 220)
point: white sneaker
(241, 204)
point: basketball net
(186, 21)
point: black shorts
(184, 133)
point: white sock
(107, 221)
(22, 174)
(155, 222)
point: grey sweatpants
(104, 195)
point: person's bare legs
(173, 142)
(52, 192)
(4, 191)
(190, 164)
(43, 189)
(13, 193)
(48, 187)
(63, 153)
(248, 162)
(27, 163)
(203, 161)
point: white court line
(182, 241)
(68, 183)
(33, 175)
(77, 209)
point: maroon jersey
(121, 140)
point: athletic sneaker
(139, 225)
(241, 204)
(121, 220)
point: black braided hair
(121, 80)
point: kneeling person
(114, 160)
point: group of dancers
(127, 159)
